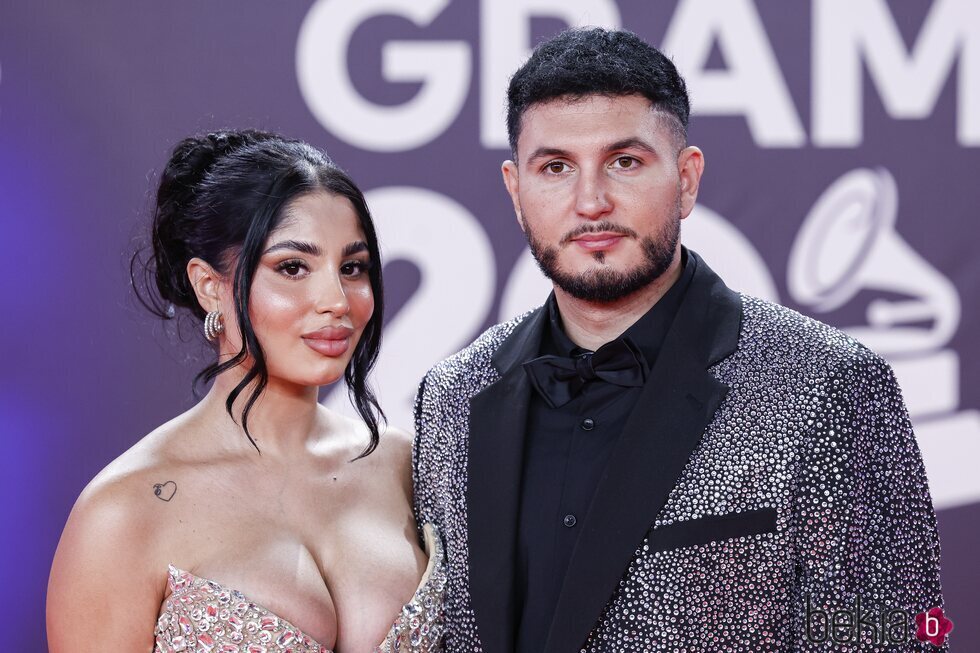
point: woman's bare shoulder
(398, 440)
(112, 556)
(135, 501)
(393, 454)
(127, 501)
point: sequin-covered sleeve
(418, 491)
(865, 525)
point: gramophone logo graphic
(848, 244)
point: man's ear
(513, 184)
(206, 283)
(690, 166)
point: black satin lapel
(670, 417)
(498, 419)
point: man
(651, 461)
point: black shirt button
(587, 424)
(569, 520)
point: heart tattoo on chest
(165, 491)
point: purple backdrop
(841, 144)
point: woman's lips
(328, 346)
(329, 341)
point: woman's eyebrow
(353, 248)
(298, 245)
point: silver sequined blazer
(767, 476)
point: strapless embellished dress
(202, 616)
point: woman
(257, 520)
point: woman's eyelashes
(355, 268)
(292, 268)
(299, 269)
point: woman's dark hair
(596, 61)
(220, 196)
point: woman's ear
(206, 283)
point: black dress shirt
(566, 450)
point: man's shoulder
(478, 354)
(777, 332)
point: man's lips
(597, 241)
(329, 341)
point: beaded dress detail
(202, 616)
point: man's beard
(602, 285)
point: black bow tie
(559, 379)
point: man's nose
(592, 199)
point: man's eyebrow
(631, 143)
(546, 152)
(298, 245)
(353, 248)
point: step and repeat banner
(842, 141)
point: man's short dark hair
(594, 61)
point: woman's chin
(327, 377)
(312, 379)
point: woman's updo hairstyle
(220, 196)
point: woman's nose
(332, 298)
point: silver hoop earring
(213, 325)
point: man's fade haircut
(580, 62)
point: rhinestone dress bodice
(202, 616)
